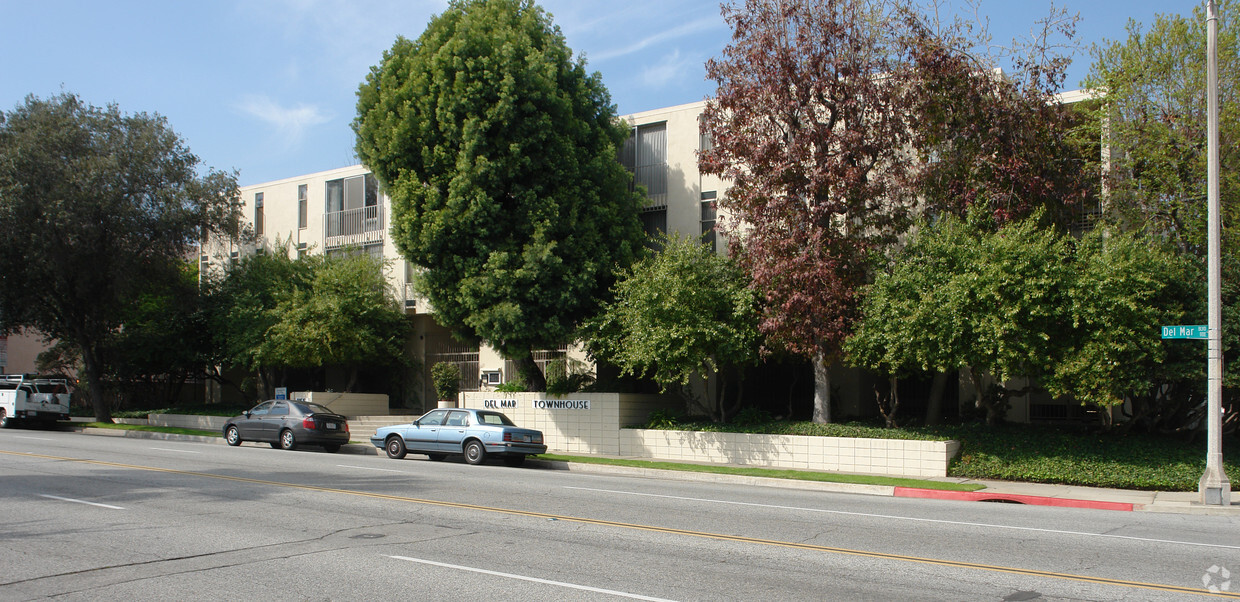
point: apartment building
(345, 208)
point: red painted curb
(1033, 500)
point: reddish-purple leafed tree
(834, 119)
(809, 126)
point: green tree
(96, 205)
(1153, 119)
(683, 312)
(243, 302)
(1124, 287)
(989, 303)
(347, 316)
(166, 339)
(499, 153)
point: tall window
(654, 223)
(303, 193)
(708, 218)
(645, 154)
(258, 213)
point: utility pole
(1214, 487)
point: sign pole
(1214, 487)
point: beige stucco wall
(348, 404)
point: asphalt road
(102, 518)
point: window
(334, 196)
(645, 154)
(705, 140)
(258, 213)
(301, 250)
(303, 194)
(654, 223)
(708, 219)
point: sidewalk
(1181, 502)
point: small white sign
(281, 392)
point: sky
(267, 88)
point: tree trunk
(934, 407)
(822, 387)
(94, 384)
(529, 371)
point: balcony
(354, 227)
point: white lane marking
(69, 499)
(915, 519)
(34, 438)
(531, 579)
(368, 468)
(184, 451)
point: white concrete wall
(835, 454)
(205, 423)
(600, 430)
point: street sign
(1199, 331)
(281, 392)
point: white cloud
(289, 123)
(672, 67)
(693, 27)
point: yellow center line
(666, 530)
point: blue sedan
(475, 434)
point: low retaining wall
(895, 457)
(204, 423)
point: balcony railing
(353, 227)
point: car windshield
(312, 408)
(494, 418)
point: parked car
(476, 434)
(287, 424)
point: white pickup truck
(27, 397)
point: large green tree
(685, 311)
(95, 205)
(1152, 117)
(963, 297)
(347, 316)
(242, 305)
(499, 152)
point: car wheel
(436, 457)
(474, 452)
(395, 448)
(331, 449)
(232, 437)
(515, 461)
(5, 421)
(287, 440)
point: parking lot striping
(184, 451)
(913, 518)
(369, 468)
(665, 530)
(69, 499)
(610, 592)
(33, 438)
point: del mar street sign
(1200, 331)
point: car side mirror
(246, 413)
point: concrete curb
(994, 496)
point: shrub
(751, 417)
(662, 419)
(446, 378)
